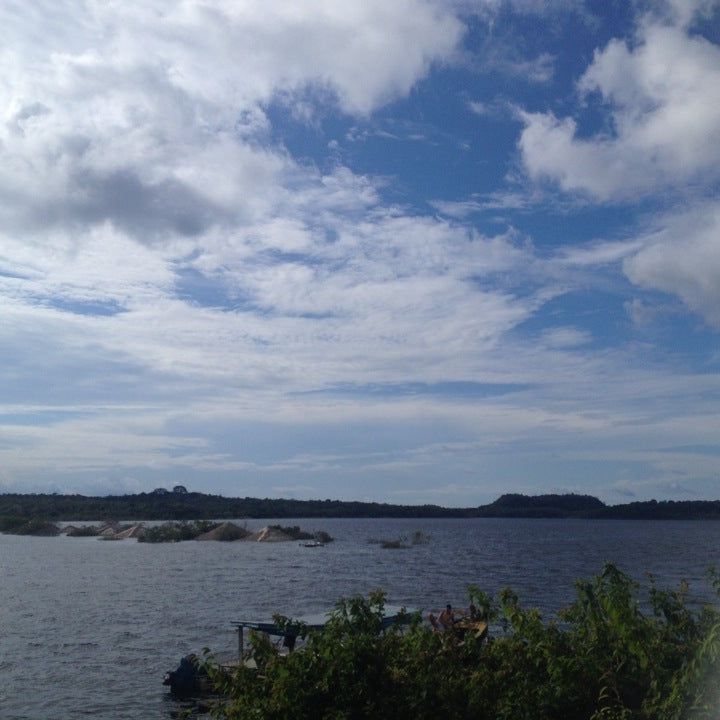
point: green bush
(84, 531)
(34, 526)
(604, 659)
(10, 523)
(175, 531)
(293, 531)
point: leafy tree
(604, 659)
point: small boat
(290, 631)
(467, 625)
(190, 679)
(471, 627)
(313, 543)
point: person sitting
(447, 617)
(434, 623)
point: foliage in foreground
(604, 660)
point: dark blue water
(88, 628)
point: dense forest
(182, 505)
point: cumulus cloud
(143, 115)
(682, 257)
(134, 150)
(663, 92)
(685, 12)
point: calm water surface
(88, 628)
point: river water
(88, 628)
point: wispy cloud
(495, 201)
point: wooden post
(241, 648)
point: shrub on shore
(10, 523)
(83, 531)
(176, 531)
(293, 532)
(22, 526)
(605, 660)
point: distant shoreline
(182, 505)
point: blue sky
(419, 251)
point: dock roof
(392, 614)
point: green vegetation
(293, 531)
(179, 505)
(10, 523)
(27, 526)
(176, 531)
(84, 531)
(569, 505)
(605, 659)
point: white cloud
(664, 95)
(685, 11)
(640, 313)
(540, 69)
(145, 115)
(565, 337)
(597, 253)
(497, 108)
(682, 257)
(495, 201)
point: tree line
(194, 505)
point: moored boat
(191, 679)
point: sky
(420, 251)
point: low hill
(569, 505)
